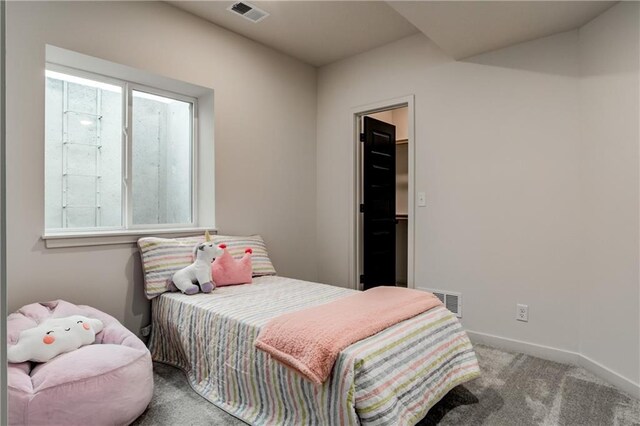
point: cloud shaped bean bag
(54, 337)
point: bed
(391, 378)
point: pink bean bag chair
(107, 382)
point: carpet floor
(514, 389)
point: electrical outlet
(522, 312)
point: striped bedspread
(391, 378)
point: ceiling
(316, 32)
(467, 28)
(321, 32)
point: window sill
(85, 239)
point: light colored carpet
(514, 389)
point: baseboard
(610, 376)
(558, 355)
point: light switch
(422, 199)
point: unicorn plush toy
(199, 272)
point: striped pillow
(260, 262)
(161, 258)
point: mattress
(391, 378)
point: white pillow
(163, 257)
(53, 337)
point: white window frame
(128, 165)
(127, 232)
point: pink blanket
(310, 340)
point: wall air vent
(248, 11)
(451, 300)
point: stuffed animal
(226, 270)
(53, 337)
(199, 271)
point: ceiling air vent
(248, 11)
(451, 300)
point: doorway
(384, 207)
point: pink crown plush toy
(226, 270)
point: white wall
(529, 159)
(265, 110)
(497, 155)
(610, 88)
(3, 299)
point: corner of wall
(609, 55)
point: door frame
(355, 222)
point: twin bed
(391, 378)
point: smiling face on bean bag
(53, 337)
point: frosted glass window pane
(161, 181)
(82, 98)
(81, 217)
(80, 191)
(84, 162)
(83, 153)
(82, 128)
(81, 159)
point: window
(118, 155)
